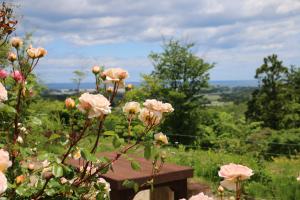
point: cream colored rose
(132, 108)
(95, 105)
(298, 178)
(3, 93)
(32, 52)
(159, 106)
(115, 74)
(3, 183)
(41, 52)
(161, 138)
(4, 160)
(150, 118)
(11, 56)
(16, 42)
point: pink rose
(4, 160)
(200, 196)
(233, 172)
(96, 105)
(3, 74)
(3, 93)
(3, 183)
(17, 76)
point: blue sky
(234, 34)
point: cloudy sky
(235, 34)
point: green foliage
(276, 101)
(178, 77)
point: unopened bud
(220, 189)
(20, 179)
(109, 90)
(70, 103)
(96, 69)
(31, 166)
(11, 56)
(47, 175)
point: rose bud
(16, 42)
(47, 175)
(15, 153)
(11, 56)
(17, 76)
(3, 74)
(109, 90)
(70, 103)
(20, 179)
(96, 70)
(31, 166)
(129, 86)
(20, 140)
(163, 155)
(103, 76)
(220, 189)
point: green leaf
(131, 184)
(7, 109)
(109, 133)
(147, 152)
(57, 171)
(88, 156)
(50, 191)
(54, 136)
(117, 142)
(135, 165)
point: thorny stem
(42, 190)
(238, 188)
(95, 146)
(16, 120)
(74, 143)
(124, 151)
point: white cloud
(232, 33)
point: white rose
(96, 105)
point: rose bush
(28, 171)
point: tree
(79, 76)
(179, 77)
(292, 117)
(269, 101)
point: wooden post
(179, 188)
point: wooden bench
(171, 175)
